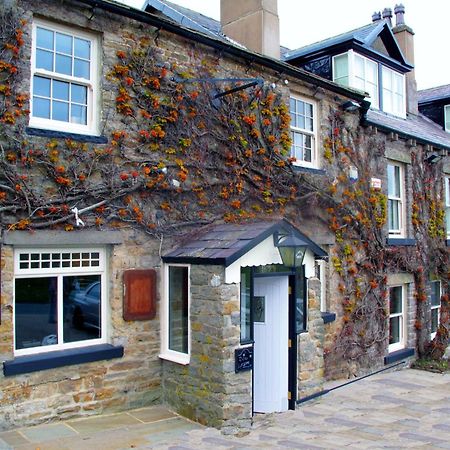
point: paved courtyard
(403, 409)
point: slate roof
(414, 127)
(187, 17)
(433, 94)
(361, 35)
(364, 37)
(222, 244)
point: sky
(302, 23)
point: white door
(270, 363)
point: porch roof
(224, 243)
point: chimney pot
(399, 11)
(387, 14)
(376, 16)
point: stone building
(219, 320)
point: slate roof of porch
(224, 243)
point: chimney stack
(405, 39)
(387, 14)
(252, 23)
(376, 16)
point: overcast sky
(303, 23)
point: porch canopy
(236, 245)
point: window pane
(63, 64)
(178, 309)
(78, 115)
(393, 173)
(44, 38)
(79, 94)
(82, 307)
(434, 319)
(435, 293)
(82, 48)
(60, 111)
(245, 304)
(41, 86)
(447, 117)
(308, 124)
(394, 214)
(44, 60)
(81, 69)
(64, 43)
(359, 67)
(395, 300)
(41, 108)
(35, 312)
(341, 68)
(394, 330)
(60, 90)
(300, 302)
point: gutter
(167, 25)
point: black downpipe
(326, 391)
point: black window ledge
(60, 358)
(63, 135)
(328, 317)
(398, 355)
(397, 242)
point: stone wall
(91, 388)
(208, 390)
(310, 346)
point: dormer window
(386, 87)
(447, 118)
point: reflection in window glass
(36, 312)
(82, 307)
(178, 308)
(396, 319)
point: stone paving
(402, 409)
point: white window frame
(447, 118)
(447, 204)
(351, 75)
(402, 315)
(321, 266)
(386, 73)
(434, 307)
(92, 84)
(400, 201)
(166, 353)
(59, 273)
(314, 163)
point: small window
(393, 101)
(341, 69)
(447, 118)
(395, 199)
(435, 306)
(64, 81)
(59, 299)
(396, 318)
(321, 275)
(303, 132)
(246, 324)
(176, 315)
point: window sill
(64, 135)
(313, 170)
(178, 358)
(328, 317)
(398, 355)
(61, 358)
(400, 242)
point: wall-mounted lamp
(350, 106)
(434, 158)
(292, 248)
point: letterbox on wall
(139, 297)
